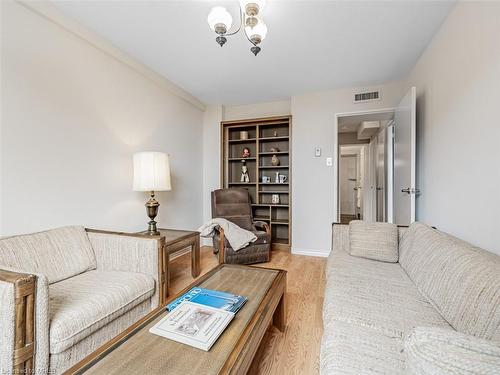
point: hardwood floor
(295, 351)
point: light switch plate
(317, 152)
(329, 162)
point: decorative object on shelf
(282, 178)
(246, 153)
(255, 30)
(243, 134)
(275, 199)
(277, 178)
(266, 179)
(275, 161)
(151, 173)
(244, 172)
(275, 149)
(275, 133)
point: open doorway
(365, 166)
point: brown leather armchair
(235, 205)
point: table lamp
(151, 173)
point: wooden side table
(177, 240)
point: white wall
(72, 116)
(458, 126)
(266, 109)
(211, 158)
(314, 201)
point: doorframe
(360, 151)
(336, 152)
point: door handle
(410, 191)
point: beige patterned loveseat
(66, 291)
(434, 311)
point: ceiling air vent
(366, 96)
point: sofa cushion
(460, 280)
(378, 241)
(82, 304)
(350, 349)
(375, 295)
(58, 253)
(430, 351)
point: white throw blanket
(237, 237)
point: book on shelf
(208, 297)
(193, 324)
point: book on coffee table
(209, 297)
(193, 324)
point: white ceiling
(349, 124)
(310, 46)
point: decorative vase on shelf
(275, 161)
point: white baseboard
(310, 252)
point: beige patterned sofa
(435, 311)
(88, 287)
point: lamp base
(152, 210)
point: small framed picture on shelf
(275, 199)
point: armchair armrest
(262, 225)
(24, 322)
(116, 251)
(222, 244)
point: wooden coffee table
(137, 351)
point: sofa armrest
(115, 251)
(340, 238)
(433, 350)
(24, 322)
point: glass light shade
(260, 3)
(219, 15)
(151, 171)
(259, 30)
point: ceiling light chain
(220, 21)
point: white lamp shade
(219, 15)
(260, 30)
(151, 171)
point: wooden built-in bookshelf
(263, 135)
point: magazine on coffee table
(193, 324)
(209, 297)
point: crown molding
(54, 15)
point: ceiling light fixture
(220, 21)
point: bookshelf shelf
(265, 137)
(240, 159)
(249, 140)
(273, 167)
(271, 139)
(273, 153)
(273, 192)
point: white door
(380, 158)
(348, 180)
(405, 159)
